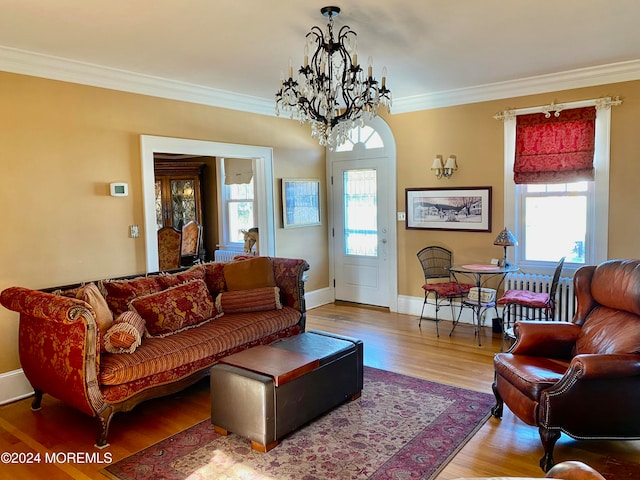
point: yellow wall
(471, 133)
(61, 144)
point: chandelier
(331, 91)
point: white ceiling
(437, 52)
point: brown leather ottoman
(264, 393)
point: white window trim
(598, 222)
(223, 235)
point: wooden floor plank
(392, 342)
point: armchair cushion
(530, 375)
(176, 308)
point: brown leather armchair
(583, 377)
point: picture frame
(300, 202)
(465, 209)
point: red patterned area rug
(401, 427)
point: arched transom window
(366, 136)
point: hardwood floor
(392, 342)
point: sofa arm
(603, 366)
(57, 344)
(545, 339)
(37, 304)
(288, 274)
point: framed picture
(463, 208)
(300, 202)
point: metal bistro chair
(528, 304)
(436, 262)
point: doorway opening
(262, 160)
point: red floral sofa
(104, 347)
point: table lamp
(505, 239)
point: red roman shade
(555, 149)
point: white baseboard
(318, 297)
(14, 386)
(406, 304)
(413, 306)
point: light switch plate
(134, 231)
(402, 216)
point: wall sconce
(441, 169)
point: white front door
(361, 233)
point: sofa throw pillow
(176, 308)
(172, 279)
(214, 276)
(253, 300)
(125, 335)
(104, 318)
(119, 293)
(256, 272)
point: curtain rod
(600, 104)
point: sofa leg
(104, 420)
(36, 404)
(497, 409)
(549, 439)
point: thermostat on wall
(119, 189)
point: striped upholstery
(157, 355)
(252, 300)
(125, 335)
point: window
(238, 211)
(563, 219)
(360, 212)
(540, 205)
(366, 136)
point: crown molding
(583, 77)
(58, 68)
